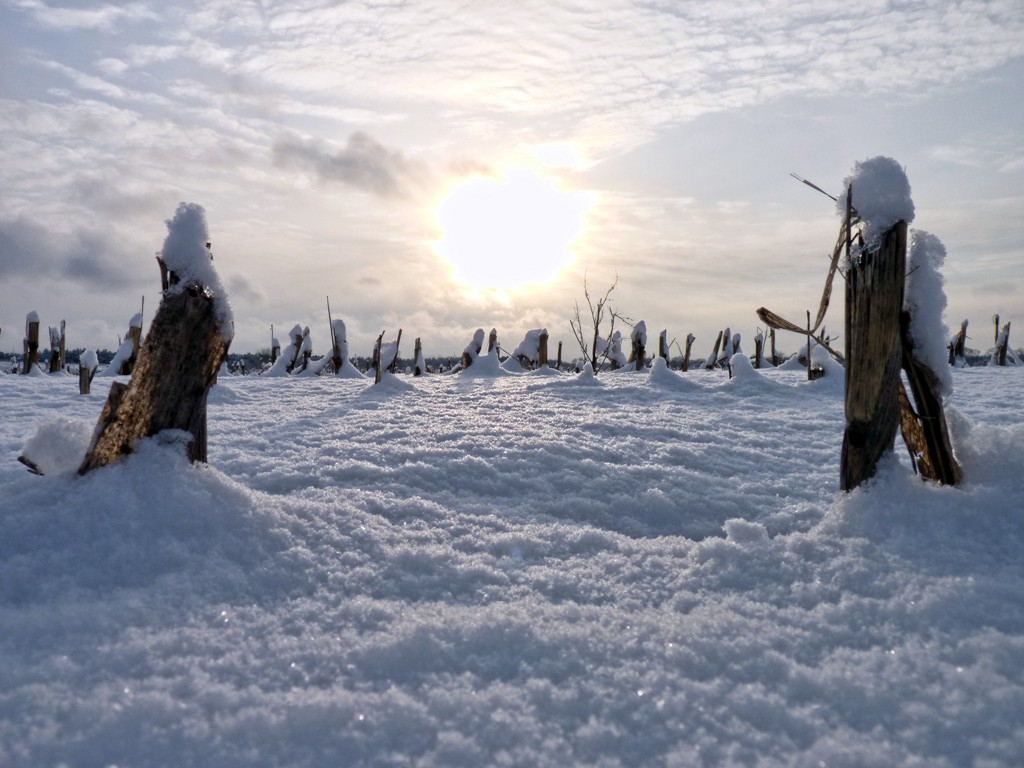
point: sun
(509, 231)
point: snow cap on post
(881, 196)
(185, 253)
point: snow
(925, 298)
(881, 196)
(31, 317)
(653, 569)
(639, 333)
(348, 371)
(474, 347)
(529, 347)
(185, 253)
(124, 353)
(88, 360)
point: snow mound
(58, 445)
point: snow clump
(185, 254)
(881, 196)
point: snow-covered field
(650, 569)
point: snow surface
(651, 569)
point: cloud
(363, 163)
(104, 17)
(90, 257)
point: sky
(440, 166)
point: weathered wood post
(275, 346)
(690, 338)
(542, 349)
(57, 348)
(809, 377)
(492, 340)
(336, 359)
(925, 431)
(957, 346)
(419, 368)
(376, 358)
(638, 351)
(31, 343)
(712, 361)
(1002, 343)
(473, 349)
(663, 344)
(88, 364)
(995, 333)
(874, 300)
(758, 349)
(135, 334)
(178, 361)
(306, 349)
(393, 365)
(771, 337)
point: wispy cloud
(103, 17)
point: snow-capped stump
(957, 344)
(999, 353)
(638, 345)
(343, 367)
(420, 366)
(135, 338)
(88, 362)
(31, 343)
(179, 359)
(893, 322)
(532, 351)
(690, 338)
(385, 356)
(712, 360)
(58, 342)
(663, 344)
(473, 349)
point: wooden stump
(690, 338)
(376, 358)
(956, 348)
(542, 350)
(58, 342)
(85, 379)
(177, 365)
(874, 300)
(925, 431)
(135, 334)
(31, 346)
(712, 361)
(638, 353)
(1002, 343)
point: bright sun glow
(504, 233)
